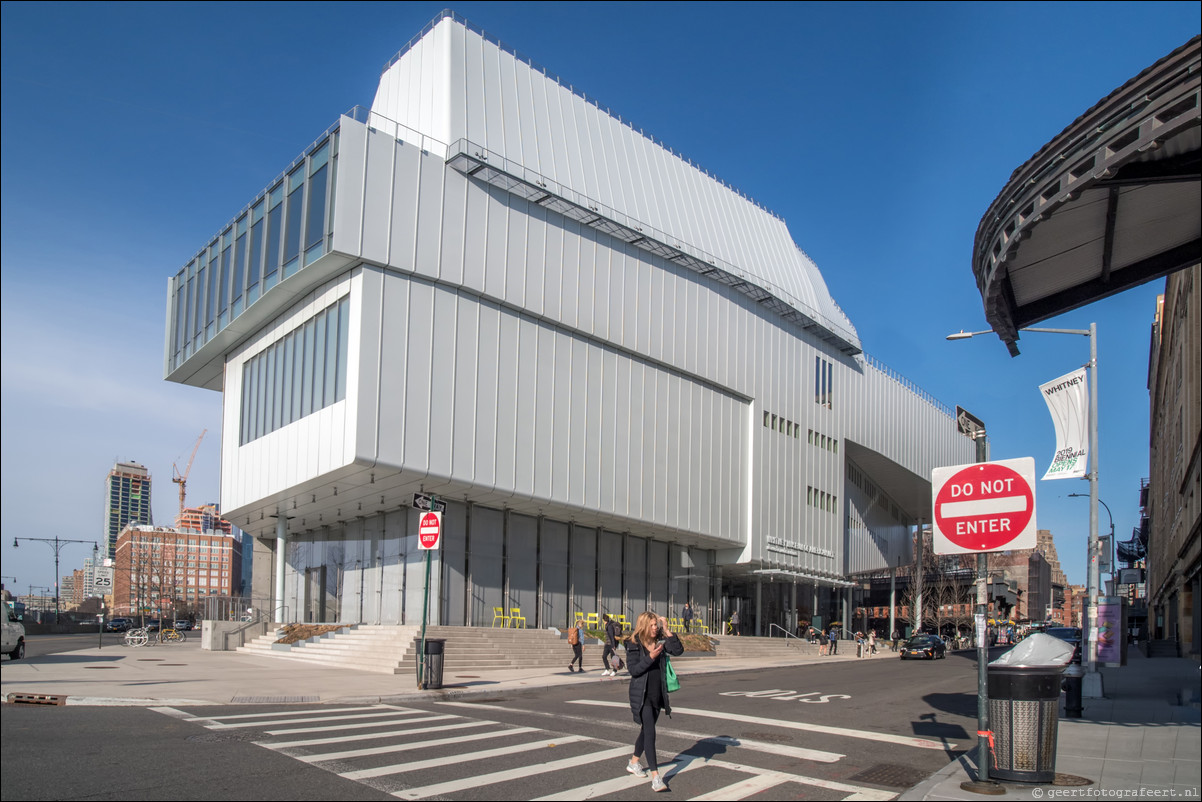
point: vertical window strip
(344, 327)
(305, 370)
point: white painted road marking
(371, 736)
(519, 773)
(904, 740)
(799, 752)
(409, 747)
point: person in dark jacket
(646, 661)
(608, 663)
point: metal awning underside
(1110, 203)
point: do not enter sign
(429, 530)
(989, 506)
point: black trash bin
(1024, 708)
(432, 664)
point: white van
(14, 633)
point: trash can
(432, 664)
(1024, 709)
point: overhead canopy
(1110, 203)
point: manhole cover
(99, 668)
(1070, 779)
(891, 774)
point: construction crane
(181, 479)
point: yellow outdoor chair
(515, 615)
(498, 614)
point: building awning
(1111, 203)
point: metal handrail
(786, 633)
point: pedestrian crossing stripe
(867, 735)
(360, 726)
(386, 750)
(756, 780)
(799, 752)
(519, 773)
(372, 736)
(464, 759)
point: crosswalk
(412, 753)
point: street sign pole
(983, 784)
(421, 655)
(429, 526)
(975, 428)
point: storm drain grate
(35, 699)
(891, 774)
(270, 700)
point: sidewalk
(1140, 737)
(1140, 741)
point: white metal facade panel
(498, 111)
(314, 446)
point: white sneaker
(657, 784)
(636, 769)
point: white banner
(1068, 402)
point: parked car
(118, 625)
(924, 646)
(183, 624)
(152, 625)
(1070, 635)
(14, 633)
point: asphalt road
(42, 645)
(871, 727)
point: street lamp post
(1092, 683)
(57, 544)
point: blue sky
(879, 132)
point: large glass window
(255, 265)
(294, 214)
(297, 375)
(275, 214)
(211, 294)
(223, 298)
(315, 218)
(239, 268)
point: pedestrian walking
(896, 638)
(646, 657)
(609, 656)
(734, 623)
(833, 635)
(872, 641)
(686, 616)
(576, 639)
(824, 642)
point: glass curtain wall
(372, 571)
(286, 228)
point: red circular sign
(984, 507)
(428, 530)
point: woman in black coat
(646, 662)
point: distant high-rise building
(127, 501)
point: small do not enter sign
(987, 506)
(429, 530)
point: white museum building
(626, 381)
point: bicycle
(172, 635)
(136, 637)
